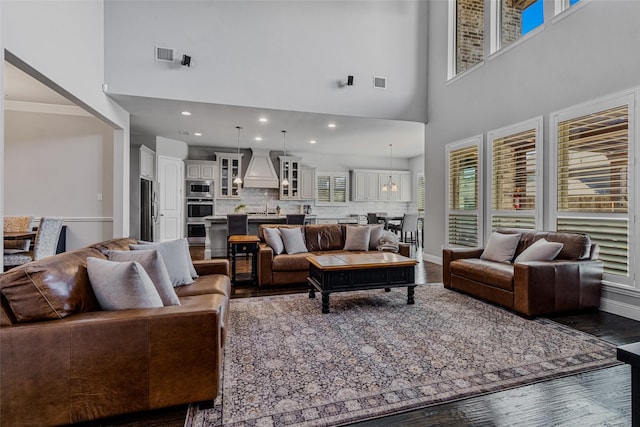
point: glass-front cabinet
(289, 171)
(229, 168)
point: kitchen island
(215, 245)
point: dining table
(19, 235)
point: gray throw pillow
(357, 238)
(501, 247)
(121, 285)
(153, 264)
(175, 257)
(274, 239)
(376, 234)
(185, 244)
(540, 250)
(293, 241)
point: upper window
(562, 5)
(468, 17)
(513, 19)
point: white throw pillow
(501, 247)
(153, 264)
(540, 250)
(176, 258)
(293, 241)
(121, 285)
(185, 244)
(357, 238)
(376, 234)
(274, 239)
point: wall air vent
(184, 133)
(379, 82)
(165, 54)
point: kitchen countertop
(259, 219)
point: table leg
(312, 291)
(233, 263)
(635, 396)
(325, 302)
(410, 293)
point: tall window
(516, 175)
(420, 188)
(593, 151)
(464, 222)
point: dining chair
(17, 223)
(44, 245)
(296, 219)
(372, 218)
(237, 224)
(409, 229)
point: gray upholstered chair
(409, 229)
(44, 245)
(17, 223)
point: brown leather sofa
(289, 269)
(572, 281)
(85, 363)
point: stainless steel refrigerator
(148, 210)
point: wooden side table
(244, 244)
(630, 354)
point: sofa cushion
(376, 233)
(153, 264)
(357, 238)
(293, 262)
(175, 244)
(263, 227)
(500, 247)
(121, 244)
(497, 274)
(208, 284)
(122, 285)
(540, 250)
(175, 257)
(293, 240)
(576, 246)
(50, 288)
(324, 237)
(274, 239)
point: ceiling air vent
(184, 133)
(165, 54)
(379, 82)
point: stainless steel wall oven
(197, 209)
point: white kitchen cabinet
(402, 179)
(229, 167)
(307, 183)
(200, 169)
(365, 185)
(290, 170)
(147, 163)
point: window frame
(629, 98)
(420, 177)
(535, 124)
(456, 146)
(332, 177)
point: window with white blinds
(332, 188)
(516, 175)
(420, 188)
(593, 151)
(464, 193)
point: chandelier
(390, 185)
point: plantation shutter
(340, 188)
(420, 193)
(593, 184)
(323, 188)
(463, 216)
(514, 184)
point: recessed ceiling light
(258, 138)
(197, 133)
(185, 113)
(263, 120)
(331, 125)
(313, 141)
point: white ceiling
(352, 136)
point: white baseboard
(620, 308)
(432, 258)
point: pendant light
(390, 185)
(285, 181)
(237, 180)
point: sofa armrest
(542, 287)
(94, 364)
(212, 266)
(451, 254)
(265, 265)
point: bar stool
(296, 219)
(237, 224)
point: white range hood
(260, 172)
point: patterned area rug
(288, 364)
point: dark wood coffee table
(355, 272)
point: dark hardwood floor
(596, 398)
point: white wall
(62, 44)
(285, 55)
(171, 148)
(57, 165)
(585, 55)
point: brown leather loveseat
(287, 269)
(85, 363)
(571, 281)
